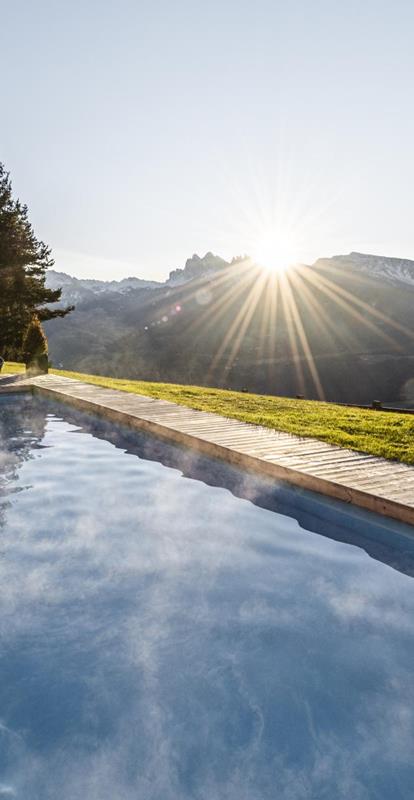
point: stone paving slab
(386, 487)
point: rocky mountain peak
(196, 267)
(391, 270)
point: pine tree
(23, 264)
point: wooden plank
(359, 478)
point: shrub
(35, 347)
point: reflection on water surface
(164, 638)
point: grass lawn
(378, 433)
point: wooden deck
(386, 487)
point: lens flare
(274, 251)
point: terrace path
(373, 483)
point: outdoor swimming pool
(170, 631)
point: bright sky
(141, 132)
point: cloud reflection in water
(163, 638)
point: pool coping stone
(369, 482)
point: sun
(274, 251)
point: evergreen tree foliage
(34, 342)
(23, 264)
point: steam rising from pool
(163, 638)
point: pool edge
(366, 500)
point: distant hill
(391, 270)
(77, 290)
(341, 328)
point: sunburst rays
(291, 305)
(297, 315)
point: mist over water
(163, 638)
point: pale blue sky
(141, 132)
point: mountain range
(75, 290)
(341, 329)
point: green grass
(378, 433)
(13, 366)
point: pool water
(170, 631)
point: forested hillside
(340, 329)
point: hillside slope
(341, 329)
(376, 432)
